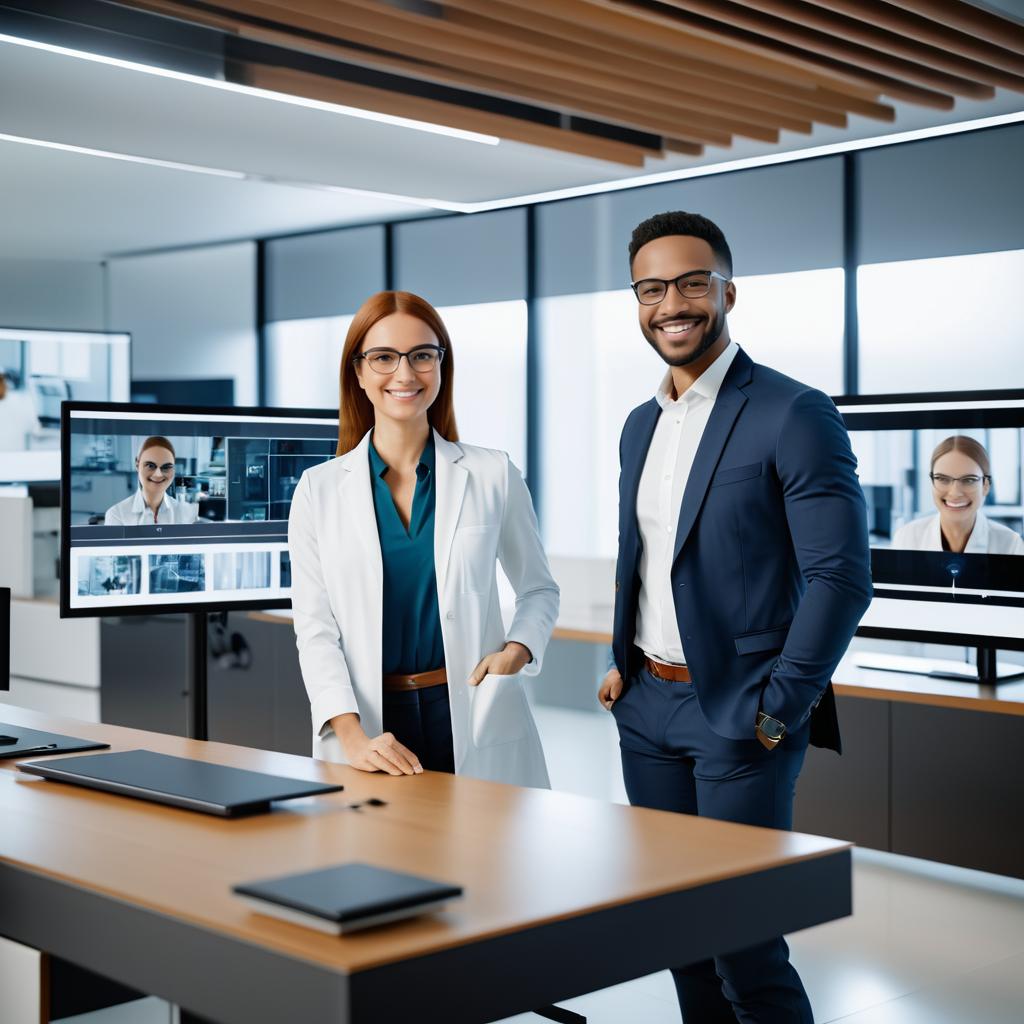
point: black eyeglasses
(694, 284)
(422, 359)
(167, 468)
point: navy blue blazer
(771, 573)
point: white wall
(64, 294)
(191, 314)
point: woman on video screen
(961, 476)
(151, 504)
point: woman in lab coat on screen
(961, 478)
(151, 505)
(394, 546)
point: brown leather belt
(670, 673)
(419, 681)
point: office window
(794, 324)
(945, 324)
(489, 343)
(303, 358)
(473, 271)
(596, 366)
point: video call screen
(164, 509)
(943, 480)
(38, 371)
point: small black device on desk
(17, 741)
(178, 781)
(5, 638)
(347, 897)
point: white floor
(926, 944)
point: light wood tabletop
(527, 859)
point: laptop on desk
(178, 781)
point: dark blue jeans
(422, 721)
(672, 761)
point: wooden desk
(564, 895)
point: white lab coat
(134, 511)
(987, 538)
(483, 514)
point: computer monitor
(919, 514)
(38, 371)
(221, 483)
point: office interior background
(233, 233)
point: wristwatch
(770, 731)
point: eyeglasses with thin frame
(969, 482)
(167, 468)
(694, 284)
(422, 359)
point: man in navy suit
(743, 570)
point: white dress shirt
(134, 511)
(987, 537)
(666, 470)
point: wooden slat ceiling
(619, 80)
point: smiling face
(684, 331)
(403, 394)
(156, 472)
(958, 503)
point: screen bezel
(154, 411)
(979, 418)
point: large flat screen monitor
(943, 476)
(38, 371)
(168, 508)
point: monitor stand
(985, 671)
(197, 639)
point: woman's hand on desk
(381, 753)
(512, 658)
(610, 689)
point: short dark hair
(677, 222)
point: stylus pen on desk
(38, 750)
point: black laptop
(17, 741)
(178, 781)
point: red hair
(355, 412)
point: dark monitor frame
(920, 419)
(154, 411)
(5, 638)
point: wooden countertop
(525, 857)
(592, 624)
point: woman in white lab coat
(151, 505)
(394, 546)
(961, 476)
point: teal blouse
(412, 622)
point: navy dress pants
(672, 761)
(422, 721)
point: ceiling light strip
(171, 165)
(247, 90)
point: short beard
(712, 332)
